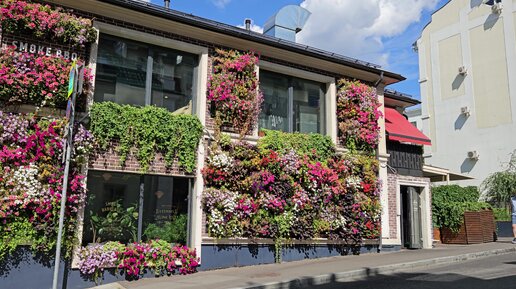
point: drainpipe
(379, 80)
(380, 235)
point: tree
(499, 187)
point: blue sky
(378, 31)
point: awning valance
(400, 129)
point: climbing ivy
(150, 130)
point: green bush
(173, 231)
(316, 146)
(502, 214)
(451, 201)
(454, 193)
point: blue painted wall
(24, 270)
(224, 256)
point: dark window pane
(173, 79)
(121, 71)
(165, 208)
(275, 110)
(111, 212)
(308, 106)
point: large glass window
(129, 72)
(291, 104)
(129, 207)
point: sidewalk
(321, 271)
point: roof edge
(203, 23)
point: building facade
(147, 55)
(467, 70)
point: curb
(308, 281)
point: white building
(467, 59)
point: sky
(377, 31)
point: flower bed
(258, 192)
(132, 260)
(31, 174)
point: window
(126, 207)
(292, 104)
(135, 73)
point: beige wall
(451, 59)
(490, 83)
(467, 33)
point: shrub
(451, 201)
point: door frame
(426, 210)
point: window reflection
(292, 104)
(112, 212)
(130, 72)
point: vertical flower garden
(31, 148)
(292, 186)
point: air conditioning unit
(497, 8)
(473, 155)
(463, 70)
(465, 111)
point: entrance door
(411, 225)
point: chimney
(287, 22)
(167, 4)
(247, 24)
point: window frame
(200, 72)
(144, 185)
(330, 112)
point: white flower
(25, 180)
(221, 160)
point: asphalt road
(498, 272)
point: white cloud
(359, 28)
(254, 27)
(220, 3)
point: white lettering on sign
(43, 50)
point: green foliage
(451, 215)
(502, 214)
(118, 224)
(454, 193)
(316, 146)
(499, 187)
(173, 231)
(17, 233)
(451, 201)
(150, 130)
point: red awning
(400, 129)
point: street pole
(74, 75)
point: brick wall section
(109, 160)
(391, 199)
(392, 187)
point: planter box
(478, 227)
(437, 235)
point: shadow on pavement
(405, 281)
